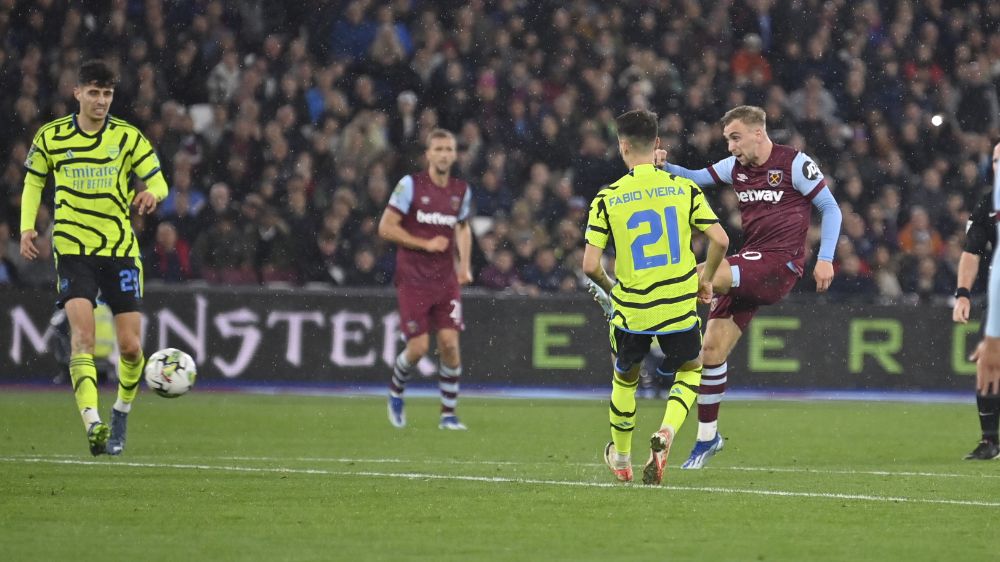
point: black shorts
(678, 348)
(117, 281)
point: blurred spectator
(320, 116)
(171, 260)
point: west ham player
(775, 185)
(426, 218)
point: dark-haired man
(92, 157)
(650, 215)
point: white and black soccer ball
(170, 372)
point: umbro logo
(741, 177)
(425, 200)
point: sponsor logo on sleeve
(811, 171)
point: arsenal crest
(456, 202)
(774, 177)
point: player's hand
(144, 202)
(705, 291)
(28, 249)
(823, 273)
(464, 276)
(436, 244)
(960, 313)
(601, 297)
(659, 157)
(988, 366)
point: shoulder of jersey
(116, 122)
(55, 123)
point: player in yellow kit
(650, 214)
(91, 157)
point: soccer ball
(170, 372)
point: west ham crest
(774, 177)
(455, 203)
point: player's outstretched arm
(718, 245)
(390, 227)
(968, 268)
(721, 172)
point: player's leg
(448, 380)
(130, 365)
(414, 308)
(446, 320)
(628, 352)
(681, 352)
(77, 284)
(721, 336)
(121, 287)
(416, 348)
(83, 372)
(989, 420)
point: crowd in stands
(283, 127)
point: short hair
(748, 114)
(639, 126)
(98, 72)
(439, 134)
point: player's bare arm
(463, 239)
(968, 267)
(718, 245)
(390, 228)
(593, 268)
(28, 249)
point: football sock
(84, 376)
(710, 393)
(682, 395)
(448, 385)
(129, 374)
(989, 416)
(622, 413)
(400, 375)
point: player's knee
(417, 347)
(129, 349)
(712, 353)
(448, 349)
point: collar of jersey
(80, 130)
(644, 168)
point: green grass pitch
(219, 476)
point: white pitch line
(507, 480)
(349, 460)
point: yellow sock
(84, 375)
(622, 413)
(683, 394)
(128, 379)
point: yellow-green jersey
(93, 188)
(649, 213)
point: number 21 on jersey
(642, 242)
